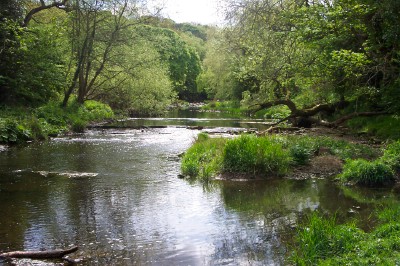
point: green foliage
(203, 159)
(368, 173)
(306, 146)
(232, 107)
(182, 60)
(262, 156)
(322, 242)
(385, 127)
(255, 156)
(50, 120)
(320, 238)
(277, 112)
(391, 155)
(11, 131)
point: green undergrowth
(230, 107)
(20, 124)
(378, 172)
(384, 127)
(262, 156)
(322, 241)
(203, 159)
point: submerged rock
(67, 174)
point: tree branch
(356, 114)
(42, 6)
(46, 254)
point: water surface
(131, 209)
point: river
(116, 194)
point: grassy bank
(22, 124)
(252, 156)
(382, 171)
(322, 241)
(383, 127)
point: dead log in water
(36, 254)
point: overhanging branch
(42, 6)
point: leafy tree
(31, 68)
(183, 60)
(141, 86)
(315, 56)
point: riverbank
(28, 124)
(319, 240)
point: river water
(116, 194)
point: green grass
(381, 171)
(322, 241)
(321, 238)
(262, 156)
(391, 156)
(249, 154)
(231, 107)
(369, 173)
(384, 127)
(203, 159)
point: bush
(97, 111)
(257, 156)
(301, 149)
(368, 173)
(13, 131)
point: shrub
(13, 131)
(301, 149)
(97, 111)
(368, 173)
(78, 125)
(257, 156)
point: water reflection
(136, 210)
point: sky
(197, 11)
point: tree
(183, 60)
(32, 59)
(139, 84)
(312, 56)
(97, 28)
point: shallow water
(129, 208)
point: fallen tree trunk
(305, 117)
(35, 254)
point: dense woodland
(322, 62)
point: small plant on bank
(369, 173)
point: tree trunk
(304, 117)
(46, 254)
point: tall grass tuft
(367, 173)
(203, 159)
(321, 241)
(391, 156)
(257, 156)
(321, 238)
